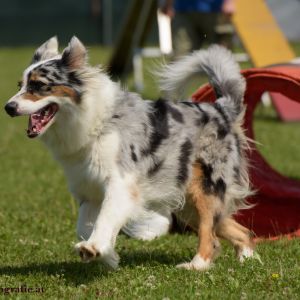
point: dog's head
(50, 86)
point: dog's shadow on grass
(71, 272)
(150, 258)
(77, 273)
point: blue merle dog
(130, 162)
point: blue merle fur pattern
(148, 157)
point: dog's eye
(37, 86)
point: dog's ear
(75, 55)
(47, 50)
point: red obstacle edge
(277, 201)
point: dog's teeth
(47, 113)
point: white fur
(117, 207)
(245, 253)
(197, 263)
(149, 225)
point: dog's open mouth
(40, 119)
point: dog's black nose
(11, 108)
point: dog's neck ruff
(75, 133)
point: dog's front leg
(88, 212)
(120, 203)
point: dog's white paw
(89, 251)
(197, 263)
(248, 253)
(147, 235)
(245, 253)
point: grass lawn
(38, 216)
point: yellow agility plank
(260, 34)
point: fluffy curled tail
(219, 65)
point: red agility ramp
(287, 110)
(277, 201)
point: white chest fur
(88, 170)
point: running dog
(131, 162)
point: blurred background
(96, 21)
(32, 21)
(130, 27)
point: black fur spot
(157, 165)
(190, 104)
(65, 58)
(36, 57)
(176, 114)
(220, 188)
(204, 119)
(207, 183)
(35, 86)
(73, 79)
(116, 116)
(133, 154)
(198, 107)
(222, 112)
(209, 186)
(56, 76)
(56, 63)
(223, 127)
(160, 126)
(44, 71)
(214, 83)
(222, 130)
(184, 159)
(204, 115)
(217, 91)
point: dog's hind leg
(206, 209)
(149, 224)
(238, 235)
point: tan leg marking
(238, 235)
(205, 206)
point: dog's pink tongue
(40, 119)
(34, 125)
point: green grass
(38, 216)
